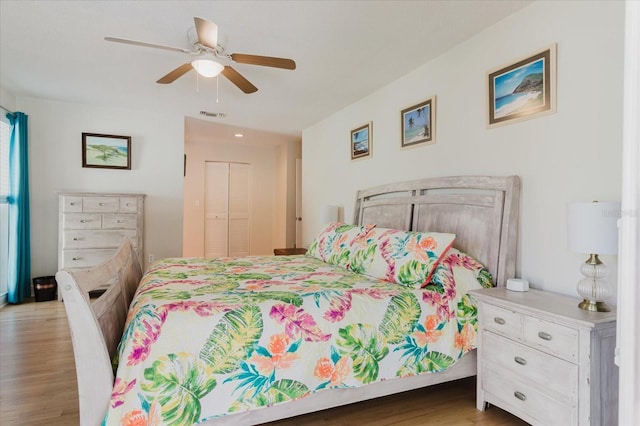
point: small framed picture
(418, 124)
(523, 89)
(106, 151)
(361, 141)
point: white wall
(572, 155)
(55, 161)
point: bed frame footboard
(97, 324)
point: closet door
(238, 209)
(216, 240)
(226, 209)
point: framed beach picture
(524, 89)
(361, 142)
(418, 124)
(106, 151)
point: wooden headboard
(481, 210)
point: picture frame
(106, 151)
(418, 124)
(523, 89)
(361, 138)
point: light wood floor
(38, 385)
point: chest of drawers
(92, 225)
(545, 360)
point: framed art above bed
(373, 308)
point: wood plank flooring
(38, 384)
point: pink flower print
(334, 374)
(120, 389)
(465, 338)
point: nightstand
(545, 360)
(289, 251)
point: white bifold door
(226, 209)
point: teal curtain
(19, 262)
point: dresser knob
(72, 204)
(76, 239)
(76, 258)
(101, 204)
(520, 396)
(83, 221)
(120, 221)
(520, 360)
(499, 320)
(544, 336)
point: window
(5, 129)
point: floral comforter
(205, 338)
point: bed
(365, 313)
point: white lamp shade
(593, 227)
(207, 67)
(329, 214)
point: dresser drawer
(119, 221)
(553, 338)
(100, 204)
(82, 221)
(97, 239)
(72, 204)
(128, 205)
(532, 366)
(85, 258)
(526, 401)
(502, 321)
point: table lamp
(593, 230)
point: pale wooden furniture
(481, 210)
(289, 251)
(97, 327)
(91, 227)
(545, 360)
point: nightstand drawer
(502, 321)
(552, 338)
(528, 402)
(532, 366)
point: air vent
(213, 114)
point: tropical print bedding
(209, 337)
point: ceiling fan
(210, 57)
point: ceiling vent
(213, 114)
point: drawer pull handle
(129, 204)
(544, 336)
(499, 320)
(520, 360)
(120, 221)
(83, 221)
(72, 204)
(77, 258)
(520, 396)
(76, 239)
(101, 204)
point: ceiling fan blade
(265, 61)
(143, 44)
(207, 32)
(236, 78)
(175, 74)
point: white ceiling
(344, 50)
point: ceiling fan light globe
(207, 67)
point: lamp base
(593, 306)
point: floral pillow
(457, 273)
(403, 257)
(335, 243)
